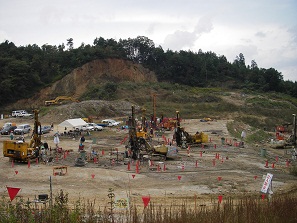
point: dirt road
(204, 171)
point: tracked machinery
(184, 139)
(140, 146)
(24, 151)
(58, 100)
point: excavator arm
(58, 100)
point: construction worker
(56, 140)
(82, 140)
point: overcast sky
(263, 30)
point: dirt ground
(204, 172)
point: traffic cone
(158, 168)
(137, 169)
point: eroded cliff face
(91, 74)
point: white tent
(73, 123)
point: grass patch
(248, 209)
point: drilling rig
(139, 145)
(21, 150)
(184, 139)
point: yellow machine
(199, 137)
(142, 131)
(58, 100)
(140, 146)
(23, 151)
(184, 139)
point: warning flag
(146, 200)
(12, 192)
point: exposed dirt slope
(91, 74)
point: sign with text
(121, 203)
(267, 183)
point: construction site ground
(219, 167)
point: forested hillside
(24, 70)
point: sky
(262, 30)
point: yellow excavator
(21, 150)
(58, 100)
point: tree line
(27, 69)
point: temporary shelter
(73, 123)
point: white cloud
(262, 30)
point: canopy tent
(73, 123)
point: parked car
(22, 129)
(111, 122)
(96, 126)
(44, 129)
(7, 130)
(85, 128)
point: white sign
(267, 183)
(121, 203)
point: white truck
(21, 113)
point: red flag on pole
(12, 192)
